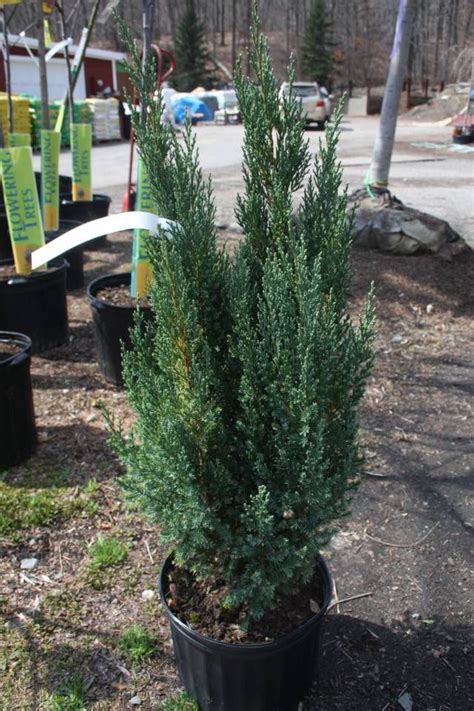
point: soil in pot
(86, 211)
(248, 671)
(201, 607)
(17, 417)
(113, 313)
(35, 304)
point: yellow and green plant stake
(81, 147)
(22, 205)
(50, 143)
(141, 270)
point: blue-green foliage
(246, 384)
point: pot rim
(117, 279)
(55, 265)
(254, 646)
(64, 226)
(21, 339)
(96, 197)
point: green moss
(57, 607)
(14, 665)
(21, 508)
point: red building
(101, 68)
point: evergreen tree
(246, 384)
(190, 49)
(317, 52)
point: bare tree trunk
(8, 76)
(70, 93)
(439, 32)
(42, 68)
(383, 148)
(234, 33)
(222, 23)
(148, 20)
(248, 20)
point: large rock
(382, 221)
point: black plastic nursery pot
(36, 305)
(112, 325)
(223, 676)
(86, 211)
(74, 257)
(5, 242)
(17, 417)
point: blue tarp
(190, 105)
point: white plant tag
(97, 228)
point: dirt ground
(407, 549)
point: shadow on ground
(366, 667)
(66, 456)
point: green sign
(19, 139)
(141, 270)
(81, 146)
(22, 205)
(50, 141)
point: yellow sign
(50, 141)
(47, 33)
(19, 139)
(22, 206)
(141, 270)
(81, 147)
(10, 2)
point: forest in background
(362, 33)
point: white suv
(315, 101)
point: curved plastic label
(98, 228)
(57, 47)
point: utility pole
(383, 148)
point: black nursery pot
(85, 211)
(273, 676)
(17, 417)
(74, 257)
(36, 305)
(111, 326)
(5, 242)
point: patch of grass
(105, 553)
(22, 509)
(136, 644)
(70, 697)
(182, 702)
